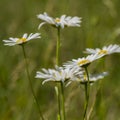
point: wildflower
(92, 78)
(18, 41)
(57, 74)
(106, 50)
(81, 62)
(59, 22)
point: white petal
(41, 24)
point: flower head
(59, 22)
(81, 62)
(57, 74)
(92, 77)
(106, 50)
(18, 41)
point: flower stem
(57, 63)
(58, 47)
(59, 101)
(92, 107)
(87, 91)
(86, 101)
(62, 100)
(61, 105)
(30, 83)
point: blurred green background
(100, 26)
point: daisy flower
(106, 50)
(81, 62)
(59, 22)
(18, 41)
(92, 77)
(57, 74)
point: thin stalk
(58, 47)
(92, 107)
(87, 91)
(63, 99)
(86, 101)
(30, 83)
(60, 87)
(57, 63)
(59, 102)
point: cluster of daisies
(73, 70)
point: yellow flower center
(102, 52)
(57, 20)
(21, 40)
(83, 62)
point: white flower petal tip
(18, 41)
(41, 24)
(44, 82)
(63, 21)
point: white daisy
(59, 22)
(106, 50)
(93, 78)
(18, 41)
(57, 74)
(81, 62)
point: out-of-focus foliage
(100, 26)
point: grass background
(100, 26)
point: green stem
(30, 83)
(57, 63)
(87, 91)
(59, 101)
(86, 101)
(63, 99)
(60, 87)
(58, 47)
(92, 107)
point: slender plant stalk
(87, 91)
(92, 107)
(30, 83)
(57, 93)
(63, 99)
(86, 101)
(57, 63)
(95, 100)
(60, 87)
(58, 47)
